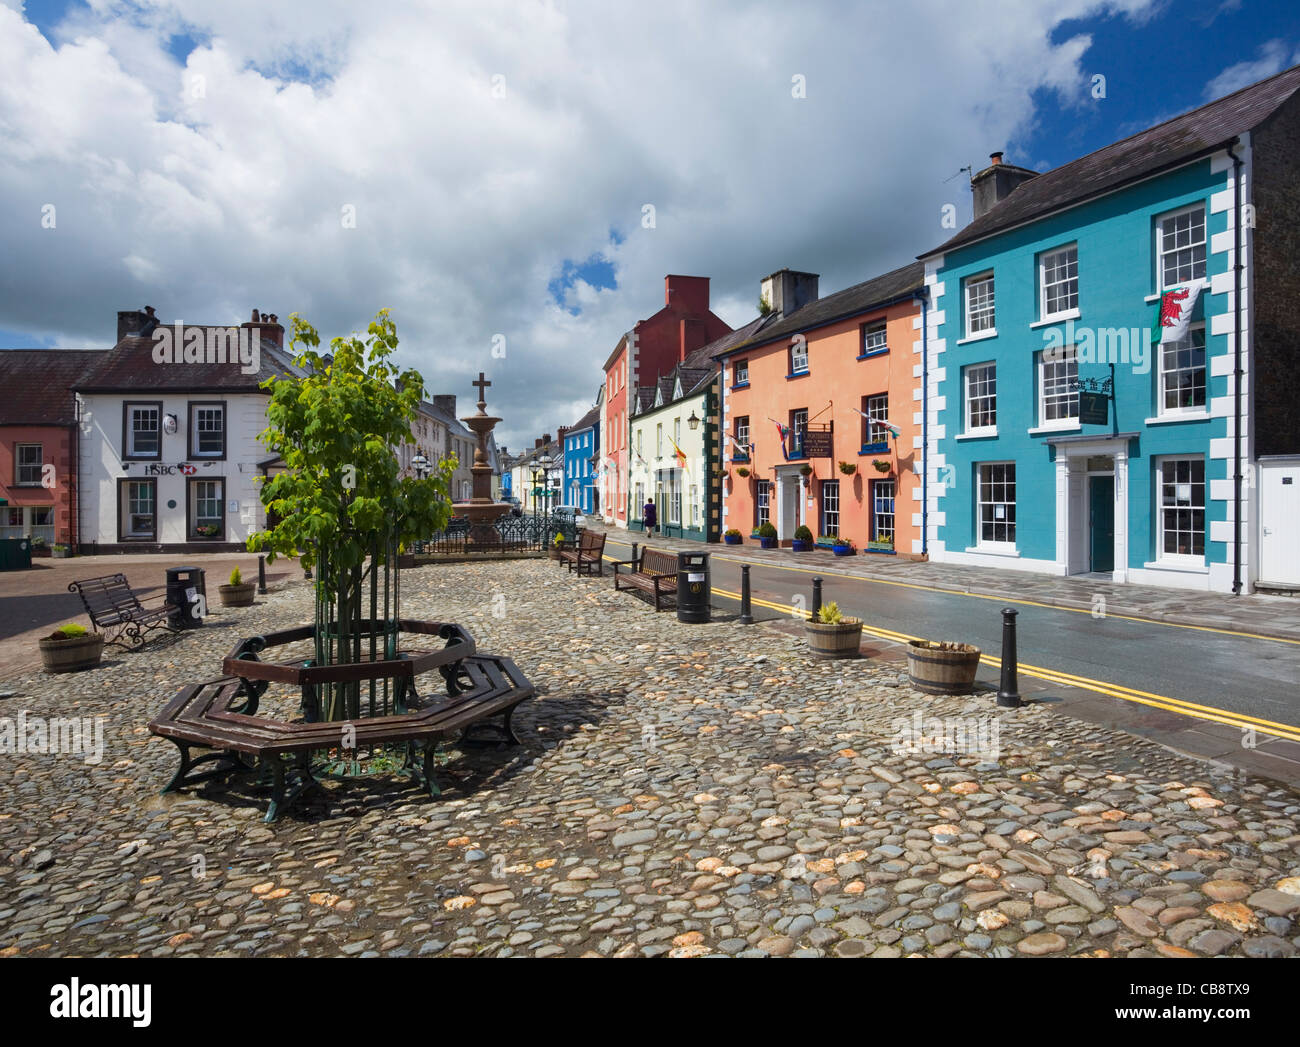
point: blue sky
(522, 217)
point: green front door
(1101, 523)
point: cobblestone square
(681, 790)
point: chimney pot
(995, 183)
(254, 319)
(537, 443)
(996, 157)
(149, 311)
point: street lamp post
(421, 466)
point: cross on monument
(482, 384)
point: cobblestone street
(681, 790)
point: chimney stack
(131, 322)
(546, 440)
(995, 183)
(787, 290)
(446, 402)
(268, 327)
(537, 444)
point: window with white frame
(27, 465)
(798, 428)
(876, 409)
(1058, 282)
(695, 506)
(12, 519)
(1182, 508)
(659, 439)
(1182, 373)
(638, 500)
(741, 449)
(742, 372)
(207, 430)
(798, 354)
(675, 501)
(41, 522)
(830, 507)
(207, 515)
(143, 431)
(1180, 247)
(882, 510)
(981, 397)
(979, 304)
(1058, 386)
(762, 502)
(677, 431)
(874, 338)
(137, 508)
(997, 503)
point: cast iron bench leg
(506, 733)
(188, 763)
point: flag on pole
(680, 455)
(784, 432)
(1174, 313)
(890, 427)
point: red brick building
(39, 443)
(651, 349)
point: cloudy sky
(483, 168)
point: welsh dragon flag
(1175, 313)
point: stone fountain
(481, 511)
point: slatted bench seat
(112, 606)
(221, 715)
(652, 572)
(588, 556)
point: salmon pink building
(821, 414)
(649, 351)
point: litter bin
(184, 585)
(693, 589)
(15, 554)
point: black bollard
(746, 611)
(817, 598)
(1008, 693)
(261, 575)
(634, 545)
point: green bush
(830, 614)
(732, 532)
(235, 577)
(767, 530)
(71, 629)
(803, 534)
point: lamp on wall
(693, 421)
(169, 423)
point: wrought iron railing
(509, 533)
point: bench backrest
(106, 597)
(591, 542)
(655, 562)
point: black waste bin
(184, 587)
(15, 554)
(693, 589)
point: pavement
(680, 790)
(35, 601)
(1257, 613)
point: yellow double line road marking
(1009, 599)
(1128, 694)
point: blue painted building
(581, 453)
(1052, 292)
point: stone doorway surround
(1072, 471)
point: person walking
(650, 515)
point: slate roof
(585, 422)
(859, 298)
(1202, 131)
(130, 367)
(38, 384)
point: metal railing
(509, 533)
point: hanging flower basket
(881, 465)
(742, 471)
(805, 470)
(848, 468)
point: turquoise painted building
(1041, 314)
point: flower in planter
(68, 632)
(805, 470)
(881, 465)
(742, 471)
(848, 468)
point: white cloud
(1274, 56)
(468, 204)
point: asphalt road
(1255, 677)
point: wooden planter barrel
(834, 641)
(69, 654)
(240, 595)
(942, 668)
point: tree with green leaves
(341, 502)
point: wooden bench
(111, 605)
(221, 716)
(652, 572)
(589, 554)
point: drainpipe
(1237, 165)
(924, 297)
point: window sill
(978, 337)
(995, 550)
(797, 374)
(1192, 565)
(1040, 430)
(880, 448)
(977, 434)
(740, 385)
(29, 486)
(1059, 318)
(1170, 419)
(874, 352)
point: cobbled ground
(681, 790)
